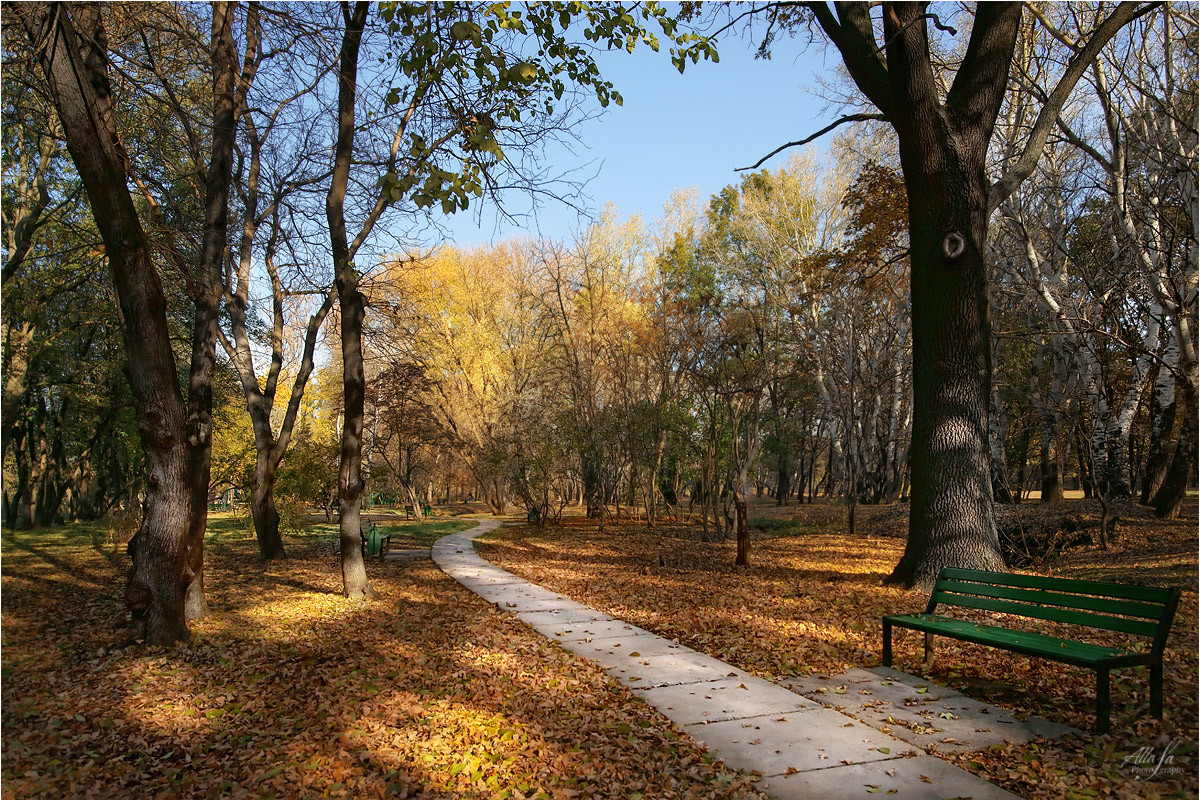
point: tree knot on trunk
(199, 433)
(137, 596)
(953, 245)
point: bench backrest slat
(1047, 598)
(1158, 595)
(1124, 624)
(1095, 604)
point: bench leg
(1103, 704)
(887, 644)
(928, 649)
(1156, 687)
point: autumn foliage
(813, 602)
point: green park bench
(375, 541)
(1144, 611)
(409, 513)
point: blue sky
(678, 130)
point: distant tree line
(214, 276)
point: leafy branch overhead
(479, 81)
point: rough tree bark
(71, 45)
(943, 145)
(1163, 415)
(207, 295)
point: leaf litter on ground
(289, 690)
(812, 601)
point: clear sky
(675, 131)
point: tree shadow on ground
(296, 692)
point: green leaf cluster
(479, 80)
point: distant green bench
(409, 513)
(1143, 611)
(375, 541)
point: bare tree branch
(842, 121)
(1047, 119)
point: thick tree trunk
(352, 304)
(1163, 411)
(943, 138)
(75, 65)
(208, 297)
(593, 491)
(783, 475)
(743, 528)
(17, 344)
(952, 522)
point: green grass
(224, 527)
(54, 539)
(414, 534)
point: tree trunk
(17, 344)
(952, 522)
(263, 511)
(353, 309)
(208, 297)
(76, 72)
(1163, 408)
(743, 528)
(783, 473)
(593, 492)
(354, 574)
(943, 141)
(1169, 499)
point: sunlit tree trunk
(943, 139)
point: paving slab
(801, 747)
(514, 593)
(802, 740)
(565, 617)
(923, 713)
(859, 686)
(913, 777)
(584, 631)
(682, 667)
(627, 655)
(722, 699)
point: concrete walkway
(801, 748)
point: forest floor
(811, 604)
(289, 690)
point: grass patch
(412, 534)
(226, 528)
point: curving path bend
(801, 748)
